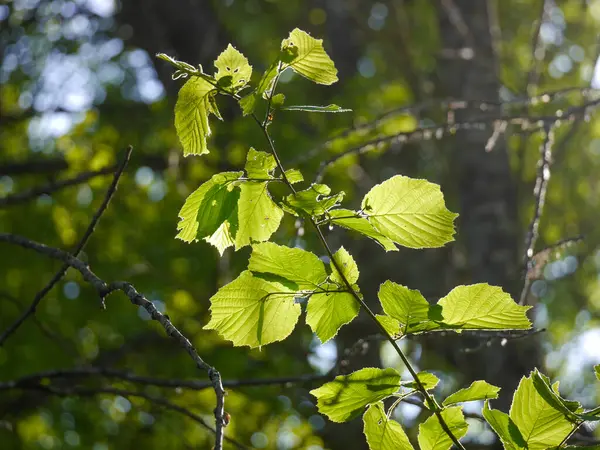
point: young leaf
(391, 325)
(383, 433)
(208, 208)
(248, 103)
(252, 311)
(345, 397)
(541, 425)
(314, 201)
(317, 109)
(433, 437)
(327, 312)
(233, 66)
(307, 57)
(294, 176)
(410, 212)
(348, 266)
(478, 390)
(303, 268)
(428, 380)
(350, 220)
(258, 215)
(407, 306)
(259, 164)
(505, 428)
(191, 115)
(482, 307)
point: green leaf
(383, 433)
(294, 176)
(391, 325)
(208, 208)
(233, 65)
(348, 266)
(541, 425)
(327, 312)
(410, 212)
(348, 219)
(597, 371)
(314, 201)
(483, 307)
(258, 215)
(428, 380)
(407, 306)
(307, 57)
(259, 164)
(316, 109)
(252, 311)
(248, 103)
(505, 428)
(433, 437)
(345, 397)
(478, 390)
(191, 116)
(302, 268)
(277, 101)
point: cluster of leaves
(264, 303)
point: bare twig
(539, 194)
(82, 242)
(49, 188)
(136, 298)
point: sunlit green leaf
(597, 371)
(540, 423)
(303, 268)
(407, 306)
(481, 306)
(383, 433)
(258, 215)
(248, 103)
(347, 265)
(433, 437)
(478, 390)
(314, 201)
(259, 164)
(327, 312)
(191, 115)
(346, 397)
(427, 379)
(307, 57)
(277, 101)
(505, 428)
(317, 109)
(350, 220)
(294, 176)
(252, 311)
(410, 212)
(231, 63)
(391, 325)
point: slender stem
(430, 401)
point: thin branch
(539, 194)
(87, 392)
(49, 188)
(537, 52)
(82, 242)
(136, 298)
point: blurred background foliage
(79, 82)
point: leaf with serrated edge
(258, 216)
(483, 307)
(410, 212)
(348, 266)
(407, 306)
(191, 116)
(478, 390)
(303, 268)
(507, 431)
(208, 207)
(348, 219)
(391, 325)
(252, 311)
(427, 379)
(232, 63)
(327, 312)
(541, 425)
(383, 433)
(347, 395)
(294, 176)
(314, 201)
(307, 57)
(259, 164)
(433, 437)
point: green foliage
(314, 201)
(352, 221)
(383, 433)
(233, 70)
(428, 380)
(346, 397)
(317, 109)
(306, 56)
(479, 390)
(433, 437)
